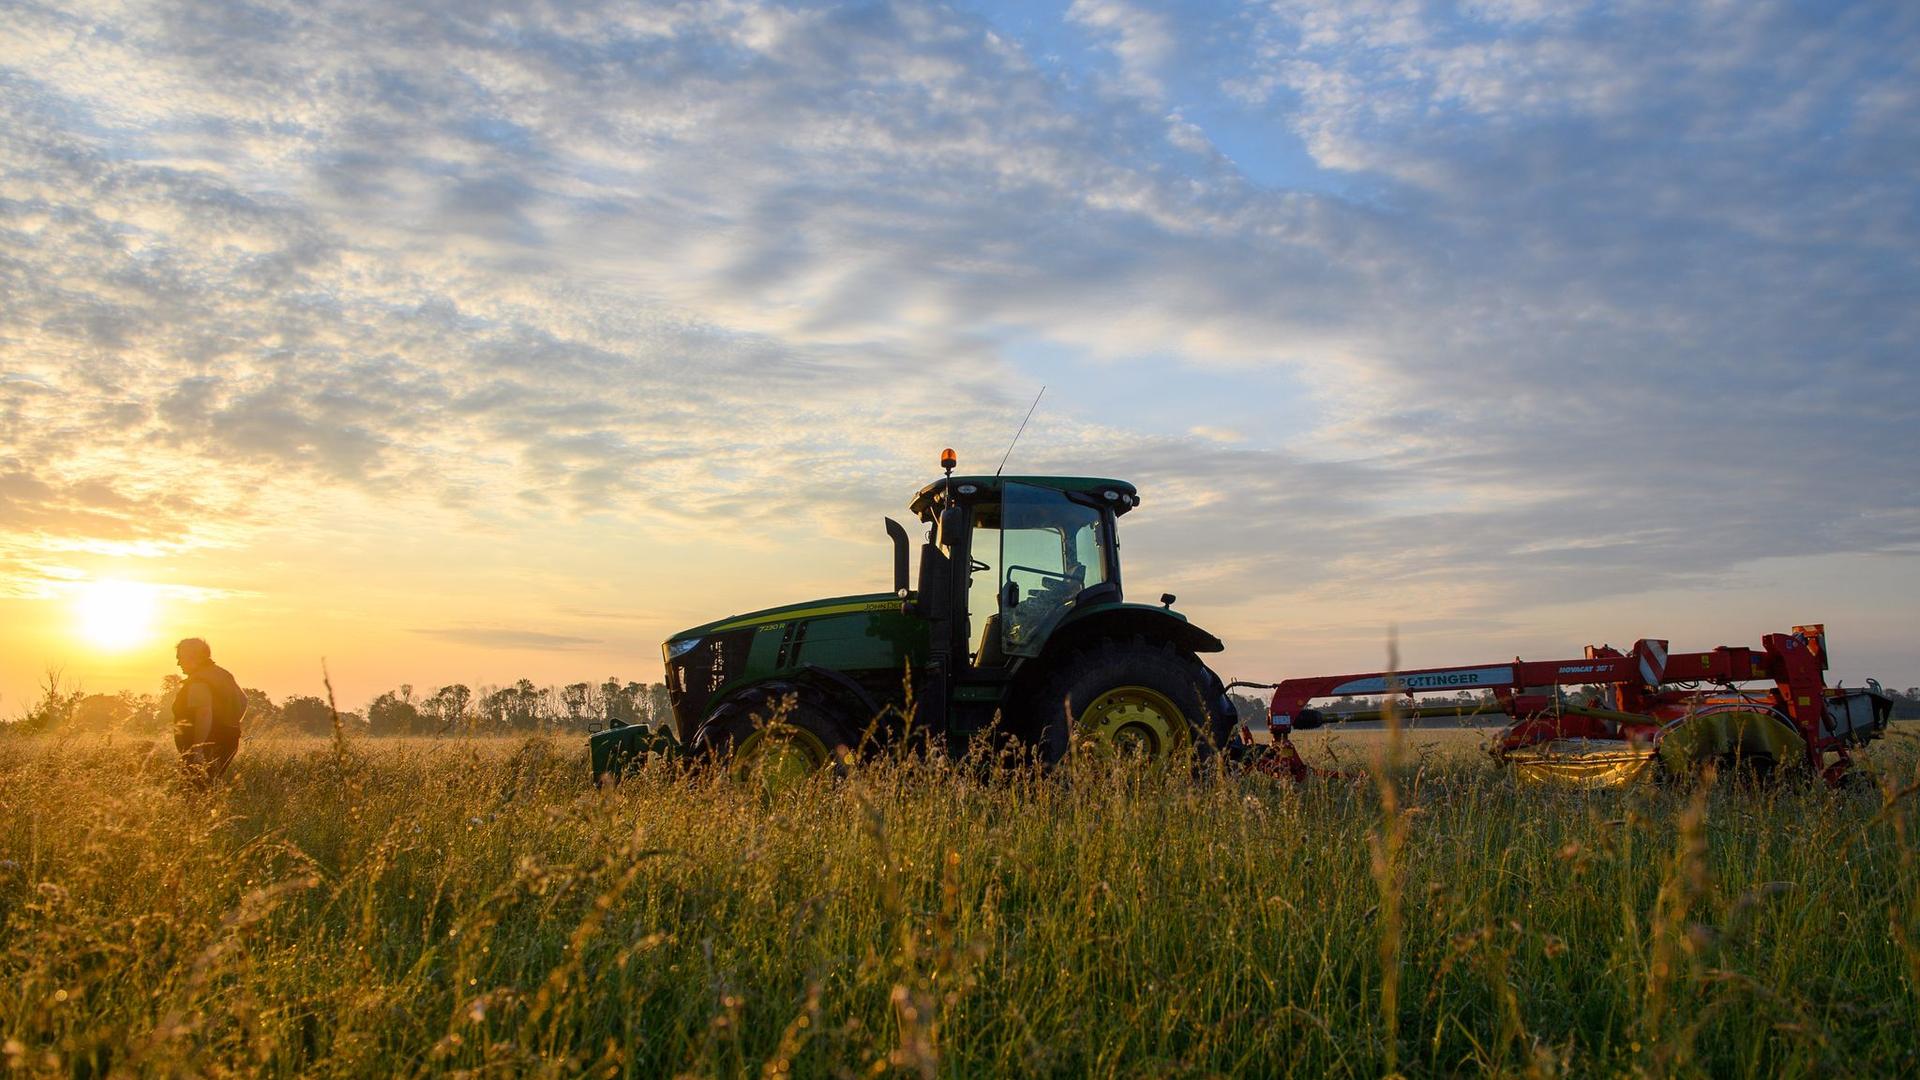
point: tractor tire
(776, 734)
(1134, 695)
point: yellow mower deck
(1724, 739)
(1582, 763)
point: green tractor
(1018, 631)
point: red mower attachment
(1650, 712)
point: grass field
(388, 908)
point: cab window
(1051, 550)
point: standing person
(206, 712)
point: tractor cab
(1019, 585)
(1026, 551)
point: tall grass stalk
(1386, 845)
(412, 907)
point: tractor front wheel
(1130, 697)
(775, 736)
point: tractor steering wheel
(1053, 574)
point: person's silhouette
(206, 712)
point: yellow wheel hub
(778, 757)
(1135, 720)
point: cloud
(497, 638)
(1583, 298)
(1141, 39)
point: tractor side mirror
(899, 534)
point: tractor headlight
(677, 649)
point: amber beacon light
(949, 460)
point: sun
(116, 615)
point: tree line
(521, 706)
(456, 709)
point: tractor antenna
(1017, 434)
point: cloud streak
(500, 638)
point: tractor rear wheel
(776, 735)
(1131, 697)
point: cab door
(1052, 549)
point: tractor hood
(838, 605)
(864, 633)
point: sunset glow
(115, 616)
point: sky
(468, 341)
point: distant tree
(147, 715)
(261, 711)
(1252, 711)
(309, 715)
(659, 706)
(616, 701)
(577, 699)
(525, 706)
(394, 713)
(97, 713)
(448, 707)
(56, 706)
(151, 714)
(491, 709)
(1906, 703)
(511, 708)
